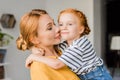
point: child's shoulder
(63, 44)
(80, 41)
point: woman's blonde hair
(28, 28)
(80, 16)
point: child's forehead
(68, 14)
(72, 14)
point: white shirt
(80, 55)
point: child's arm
(35, 50)
(52, 62)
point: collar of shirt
(77, 40)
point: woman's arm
(37, 72)
(52, 62)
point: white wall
(16, 59)
(97, 26)
(16, 70)
(55, 6)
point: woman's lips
(57, 37)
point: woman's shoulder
(46, 71)
(38, 65)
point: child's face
(70, 27)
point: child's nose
(63, 27)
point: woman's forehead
(44, 20)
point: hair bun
(21, 44)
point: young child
(79, 54)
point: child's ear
(34, 40)
(82, 28)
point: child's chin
(64, 38)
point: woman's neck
(49, 51)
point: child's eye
(60, 24)
(70, 24)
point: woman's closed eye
(49, 27)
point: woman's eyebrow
(49, 23)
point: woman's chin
(57, 42)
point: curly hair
(80, 15)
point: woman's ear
(34, 40)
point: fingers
(28, 61)
(38, 51)
(27, 65)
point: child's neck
(71, 41)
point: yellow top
(40, 71)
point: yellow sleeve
(37, 71)
(40, 71)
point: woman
(37, 29)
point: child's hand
(37, 50)
(30, 59)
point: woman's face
(48, 33)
